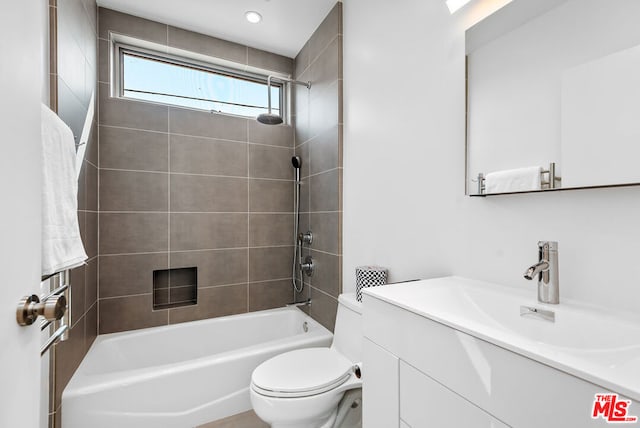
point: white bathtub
(181, 375)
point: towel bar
(57, 291)
(551, 181)
(51, 275)
(53, 339)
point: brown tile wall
(73, 69)
(184, 188)
(318, 140)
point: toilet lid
(301, 373)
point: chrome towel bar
(53, 339)
(550, 183)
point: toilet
(305, 388)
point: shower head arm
(284, 79)
(269, 118)
(269, 94)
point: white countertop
(585, 341)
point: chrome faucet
(547, 272)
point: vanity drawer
(425, 403)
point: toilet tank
(347, 338)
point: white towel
(514, 180)
(61, 243)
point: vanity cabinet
(395, 394)
(426, 403)
(419, 373)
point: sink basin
(584, 341)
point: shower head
(296, 161)
(270, 119)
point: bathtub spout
(305, 303)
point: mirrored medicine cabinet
(555, 85)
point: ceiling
(286, 24)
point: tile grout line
(322, 51)
(309, 177)
(248, 207)
(240, 177)
(322, 172)
(205, 212)
(203, 137)
(168, 199)
(337, 35)
(233, 284)
(98, 185)
(325, 252)
(323, 292)
(176, 107)
(198, 250)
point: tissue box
(369, 276)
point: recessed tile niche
(175, 287)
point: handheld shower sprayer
(296, 161)
(298, 283)
(299, 266)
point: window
(162, 79)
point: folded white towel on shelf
(61, 243)
(514, 180)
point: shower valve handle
(307, 267)
(306, 238)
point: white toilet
(304, 388)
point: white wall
(404, 171)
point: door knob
(30, 307)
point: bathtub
(181, 375)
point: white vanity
(453, 352)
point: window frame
(119, 49)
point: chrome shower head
(270, 119)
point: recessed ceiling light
(253, 17)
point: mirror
(553, 96)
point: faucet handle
(548, 245)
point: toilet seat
(288, 375)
